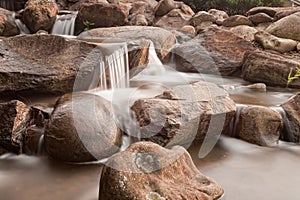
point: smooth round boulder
(148, 171)
(82, 128)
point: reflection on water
(244, 170)
(250, 172)
(36, 178)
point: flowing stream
(65, 23)
(244, 170)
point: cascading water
(115, 66)
(22, 27)
(65, 23)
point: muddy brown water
(245, 171)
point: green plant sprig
(292, 77)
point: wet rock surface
(292, 110)
(8, 27)
(259, 125)
(15, 117)
(82, 128)
(46, 64)
(148, 171)
(183, 114)
(163, 40)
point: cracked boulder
(184, 113)
(148, 171)
(82, 128)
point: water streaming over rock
(65, 23)
(7, 4)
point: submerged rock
(39, 15)
(82, 128)
(15, 118)
(46, 64)
(184, 113)
(259, 125)
(269, 68)
(95, 15)
(8, 27)
(148, 171)
(292, 123)
(163, 40)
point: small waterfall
(22, 27)
(65, 23)
(41, 146)
(286, 135)
(114, 69)
(235, 121)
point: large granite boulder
(162, 39)
(272, 42)
(8, 27)
(184, 113)
(39, 15)
(287, 27)
(95, 15)
(82, 128)
(216, 51)
(259, 125)
(292, 121)
(46, 64)
(164, 6)
(269, 68)
(15, 118)
(148, 171)
(175, 19)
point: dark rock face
(292, 110)
(138, 52)
(215, 51)
(99, 15)
(15, 118)
(46, 64)
(184, 113)
(271, 69)
(163, 40)
(259, 125)
(148, 171)
(39, 15)
(82, 128)
(8, 26)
